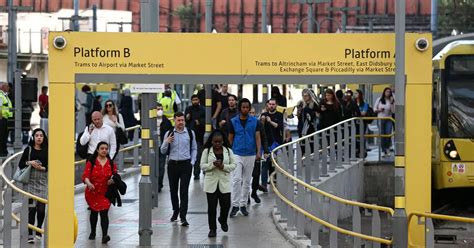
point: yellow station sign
(224, 54)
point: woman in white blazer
(217, 161)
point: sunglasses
(109, 105)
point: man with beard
(195, 119)
(228, 113)
(273, 123)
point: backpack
(81, 150)
(190, 139)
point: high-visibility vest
(168, 110)
(160, 96)
(6, 106)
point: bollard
(24, 221)
(144, 222)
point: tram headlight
(453, 154)
(59, 42)
(422, 44)
(450, 151)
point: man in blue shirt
(244, 137)
(180, 144)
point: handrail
(314, 189)
(11, 184)
(325, 223)
(440, 217)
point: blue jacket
(244, 143)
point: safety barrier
(298, 170)
(6, 170)
(427, 220)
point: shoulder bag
(23, 175)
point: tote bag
(23, 175)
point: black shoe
(243, 210)
(255, 197)
(184, 222)
(31, 239)
(175, 216)
(212, 234)
(92, 236)
(234, 211)
(105, 239)
(224, 226)
(263, 189)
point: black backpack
(81, 150)
(190, 139)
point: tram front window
(460, 97)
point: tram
(453, 116)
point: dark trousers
(104, 221)
(38, 210)
(256, 176)
(179, 174)
(3, 137)
(197, 164)
(224, 202)
(161, 169)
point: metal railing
(9, 187)
(427, 220)
(309, 160)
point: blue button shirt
(180, 146)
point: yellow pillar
(417, 136)
(61, 165)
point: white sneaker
(31, 239)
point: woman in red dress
(97, 176)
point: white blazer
(214, 175)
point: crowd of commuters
(234, 159)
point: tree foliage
(455, 14)
(186, 15)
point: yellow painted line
(145, 133)
(145, 170)
(400, 161)
(399, 201)
(152, 113)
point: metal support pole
(344, 21)
(12, 32)
(18, 144)
(75, 19)
(310, 18)
(400, 225)
(148, 16)
(207, 87)
(434, 18)
(145, 185)
(264, 16)
(94, 18)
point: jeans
(386, 128)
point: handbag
(23, 175)
(122, 137)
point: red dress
(100, 175)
